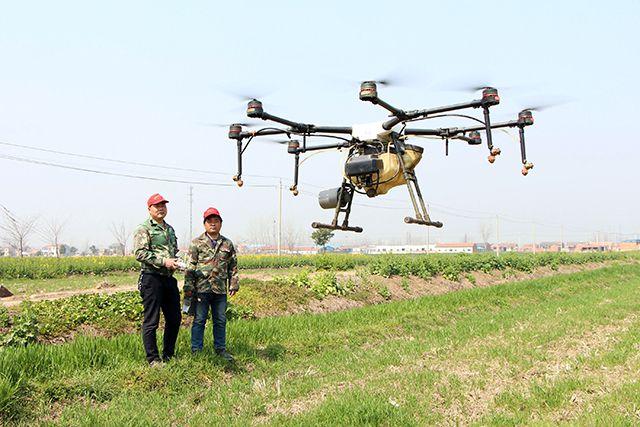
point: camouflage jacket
(153, 244)
(211, 266)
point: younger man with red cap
(155, 246)
(212, 270)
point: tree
(17, 231)
(51, 232)
(119, 232)
(321, 237)
(485, 233)
(290, 236)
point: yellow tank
(391, 173)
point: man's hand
(188, 294)
(232, 292)
(171, 263)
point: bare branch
(51, 232)
(16, 231)
(120, 233)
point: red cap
(155, 199)
(211, 211)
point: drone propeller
(542, 107)
(226, 125)
(275, 141)
(246, 94)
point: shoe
(156, 363)
(222, 352)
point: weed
(384, 291)
(404, 283)
(471, 278)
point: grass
(539, 351)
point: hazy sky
(137, 81)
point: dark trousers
(160, 293)
(218, 305)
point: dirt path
(416, 287)
(17, 299)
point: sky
(142, 82)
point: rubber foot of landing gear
(336, 227)
(410, 220)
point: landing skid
(336, 227)
(410, 220)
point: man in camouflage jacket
(156, 246)
(212, 270)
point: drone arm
(263, 132)
(331, 129)
(291, 124)
(344, 144)
(424, 132)
(417, 114)
(509, 124)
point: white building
(455, 248)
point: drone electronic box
(379, 157)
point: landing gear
(342, 199)
(422, 216)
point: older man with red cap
(156, 246)
(212, 271)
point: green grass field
(562, 349)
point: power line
(148, 178)
(449, 210)
(129, 162)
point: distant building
(50, 250)
(629, 246)
(457, 248)
(504, 247)
(594, 247)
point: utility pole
(497, 235)
(279, 217)
(190, 213)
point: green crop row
(385, 265)
(58, 318)
(451, 266)
(48, 268)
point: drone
(379, 157)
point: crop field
(336, 339)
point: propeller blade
(246, 94)
(226, 125)
(275, 141)
(542, 107)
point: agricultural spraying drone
(378, 156)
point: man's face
(213, 224)
(158, 211)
